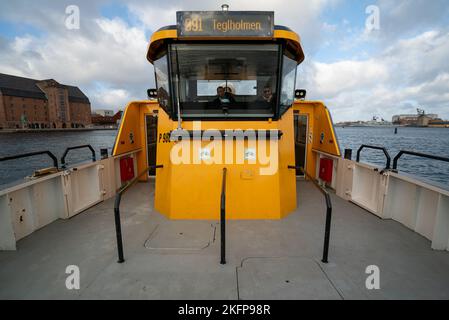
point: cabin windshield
(233, 80)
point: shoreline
(392, 127)
(54, 130)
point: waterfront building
(106, 121)
(412, 119)
(41, 104)
(103, 112)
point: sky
(396, 63)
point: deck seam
(330, 281)
(111, 261)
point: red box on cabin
(326, 167)
(126, 169)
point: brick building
(99, 120)
(38, 104)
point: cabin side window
(288, 84)
(163, 84)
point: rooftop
(26, 88)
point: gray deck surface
(265, 259)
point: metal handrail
(418, 154)
(31, 154)
(327, 229)
(387, 155)
(223, 218)
(118, 198)
(63, 164)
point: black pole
(223, 219)
(327, 229)
(118, 198)
(118, 228)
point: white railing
(422, 207)
(31, 205)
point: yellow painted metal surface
(132, 133)
(321, 133)
(159, 36)
(192, 191)
(261, 187)
(173, 34)
(128, 137)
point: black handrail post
(118, 228)
(31, 154)
(94, 158)
(417, 154)
(387, 155)
(223, 218)
(118, 198)
(327, 230)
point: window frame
(172, 111)
(281, 67)
(170, 108)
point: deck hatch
(182, 235)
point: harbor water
(13, 171)
(434, 141)
(426, 140)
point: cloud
(330, 79)
(410, 73)
(106, 57)
(113, 54)
(407, 17)
(305, 19)
(114, 97)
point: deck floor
(265, 259)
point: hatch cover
(284, 279)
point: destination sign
(225, 23)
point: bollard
(104, 153)
(348, 154)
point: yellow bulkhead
(192, 191)
(258, 187)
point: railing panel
(83, 188)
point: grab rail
(418, 154)
(223, 218)
(63, 164)
(118, 198)
(387, 155)
(327, 229)
(31, 154)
